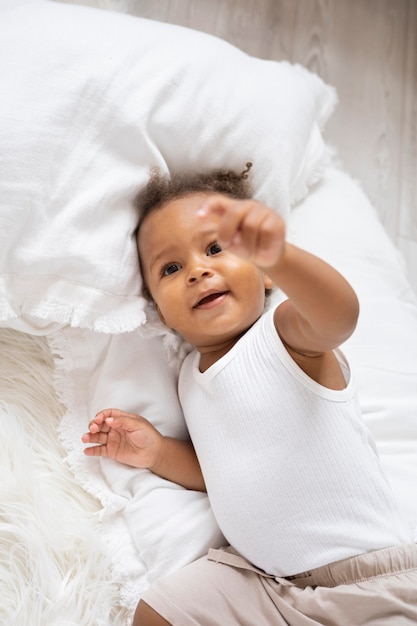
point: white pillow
(90, 100)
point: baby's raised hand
(247, 228)
(124, 437)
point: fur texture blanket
(53, 568)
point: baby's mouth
(210, 299)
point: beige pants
(374, 589)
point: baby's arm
(132, 440)
(322, 309)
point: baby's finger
(102, 415)
(96, 451)
(95, 427)
(226, 213)
(100, 438)
(99, 422)
(251, 229)
(270, 241)
(126, 422)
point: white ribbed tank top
(291, 471)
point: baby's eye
(214, 248)
(169, 269)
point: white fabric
(150, 525)
(338, 223)
(90, 101)
(148, 532)
(54, 570)
(291, 471)
(147, 525)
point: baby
(277, 437)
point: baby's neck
(207, 359)
(211, 354)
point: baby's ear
(268, 282)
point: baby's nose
(199, 272)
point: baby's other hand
(124, 437)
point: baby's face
(208, 295)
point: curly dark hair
(162, 188)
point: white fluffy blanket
(53, 568)
(69, 557)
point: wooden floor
(367, 49)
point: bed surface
(83, 537)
